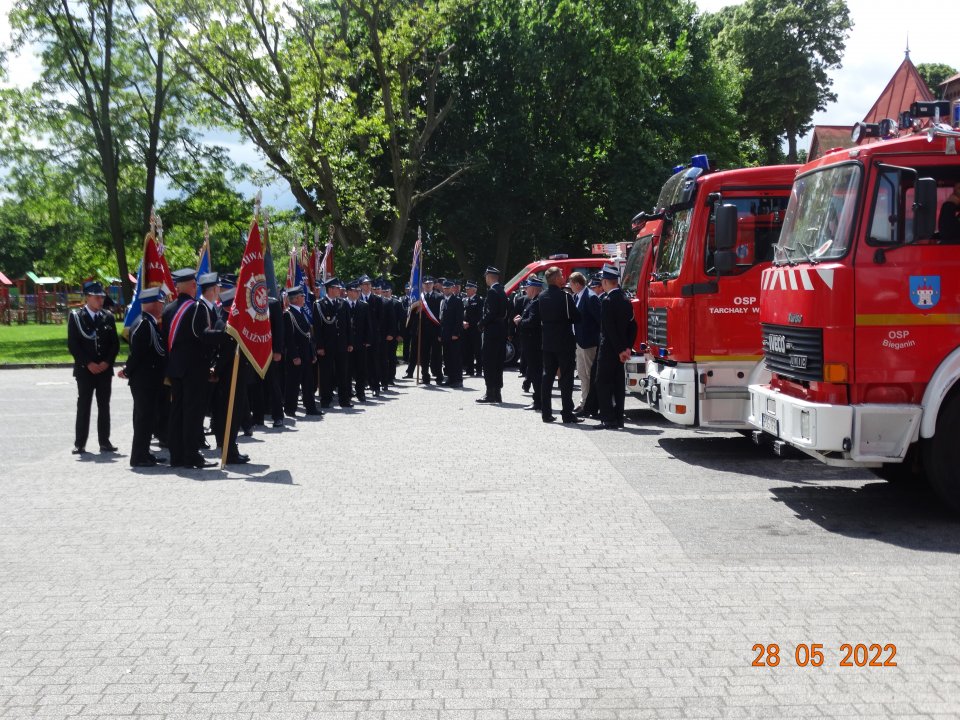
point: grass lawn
(33, 344)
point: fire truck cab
(860, 311)
(703, 333)
(634, 278)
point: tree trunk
(504, 235)
(791, 146)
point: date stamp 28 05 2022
(873, 655)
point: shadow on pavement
(277, 477)
(910, 517)
(725, 453)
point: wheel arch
(938, 389)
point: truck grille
(792, 352)
(657, 326)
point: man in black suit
(587, 332)
(427, 344)
(191, 339)
(472, 312)
(359, 339)
(558, 313)
(376, 338)
(394, 317)
(530, 332)
(433, 300)
(93, 343)
(300, 356)
(591, 406)
(331, 329)
(451, 330)
(493, 325)
(144, 371)
(618, 331)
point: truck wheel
(906, 473)
(941, 453)
(510, 354)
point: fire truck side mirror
(725, 262)
(726, 227)
(924, 208)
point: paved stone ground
(424, 557)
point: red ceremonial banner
(156, 272)
(249, 321)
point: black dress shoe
(78, 451)
(157, 460)
(108, 448)
(199, 462)
(315, 413)
(486, 399)
(549, 419)
(455, 385)
(532, 406)
(238, 459)
(278, 423)
(426, 381)
(248, 432)
(143, 464)
(346, 404)
(361, 398)
(572, 420)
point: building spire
(907, 52)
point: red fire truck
(634, 277)
(861, 309)
(567, 265)
(703, 333)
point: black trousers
(565, 361)
(240, 407)
(372, 354)
(494, 352)
(427, 348)
(454, 360)
(185, 426)
(611, 389)
(437, 361)
(89, 385)
(299, 379)
(471, 350)
(273, 390)
(388, 362)
(534, 371)
(357, 363)
(146, 398)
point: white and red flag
(249, 320)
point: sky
(874, 51)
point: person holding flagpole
(494, 329)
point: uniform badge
(258, 297)
(924, 291)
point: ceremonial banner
(249, 320)
(153, 272)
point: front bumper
(841, 435)
(636, 375)
(672, 391)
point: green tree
(333, 92)
(935, 73)
(573, 113)
(784, 50)
(111, 104)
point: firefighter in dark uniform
(529, 331)
(411, 331)
(405, 329)
(223, 369)
(591, 406)
(558, 313)
(425, 332)
(93, 342)
(394, 317)
(185, 290)
(516, 304)
(191, 338)
(494, 328)
(618, 331)
(433, 299)
(209, 284)
(331, 330)
(299, 356)
(472, 312)
(144, 371)
(376, 337)
(451, 332)
(359, 339)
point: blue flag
(133, 309)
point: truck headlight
(805, 424)
(677, 390)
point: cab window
(891, 219)
(759, 220)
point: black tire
(908, 473)
(941, 453)
(510, 354)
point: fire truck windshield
(820, 217)
(630, 279)
(676, 229)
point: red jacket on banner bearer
(249, 321)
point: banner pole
(420, 314)
(229, 419)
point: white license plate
(770, 424)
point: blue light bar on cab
(678, 168)
(700, 161)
